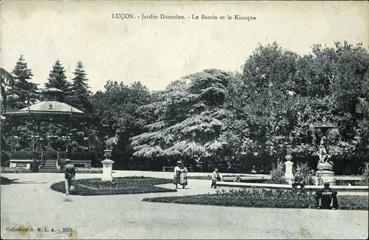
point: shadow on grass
(7, 181)
(120, 185)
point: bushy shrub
(277, 174)
(306, 174)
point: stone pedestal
(107, 167)
(288, 173)
(325, 173)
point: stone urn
(107, 153)
(288, 173)
(107, 174)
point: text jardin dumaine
(123, 16)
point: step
(48, 170)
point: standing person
(177, 174)
(183, 175)
(215, 177)
(326, 198)
(69, 173)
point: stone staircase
(50, 166)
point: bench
(168, 169)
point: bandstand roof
(48, 108)
(52, 106)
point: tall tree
(21, 89)
(262, 102)
(115, 112)
(57, 78)
(5, 79)
(79, 90)
(189, 123)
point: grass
(262, 198)
(120, 185)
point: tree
(6, 78)
(281, 95)
(262, 104)
(115, 115)
(79, 95)
(21, 91)
(57, 78)
(188, 123)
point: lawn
(120, 185)
(262, 198)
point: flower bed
(121, 185)
(276, 198)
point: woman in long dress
(183, 176)
(177, 174)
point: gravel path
(30, 204)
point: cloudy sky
(157, 52)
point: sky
(159, 51)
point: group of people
(180, 176)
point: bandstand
(42, 135)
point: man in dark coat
(69, 173)
(326, 198)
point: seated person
(326, 198)
(298, 182)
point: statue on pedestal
(325, 165)
(323, 153)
